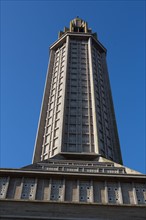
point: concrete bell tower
(77, 171)
(77, 115)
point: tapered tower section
(77, 115)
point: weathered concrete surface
(56, 210)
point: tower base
(60, 188)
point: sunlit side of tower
(77, 114)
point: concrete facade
(77, 170)
(40, 193)
(67, 211)
(77, 113)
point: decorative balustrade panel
(3, 186)
(28, 188)
(73, 190)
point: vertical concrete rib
(21, 187)
(134, 193)
(43, 112)
(62, 116)
(105, 192)
(35, 188)
(93, 96)
(120, 191)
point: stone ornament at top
(77, 25)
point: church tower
(77, 115)
(77, 170)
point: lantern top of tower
(77, 25)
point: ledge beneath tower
(68, 211)
(80, 156)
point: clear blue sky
(28, 28)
